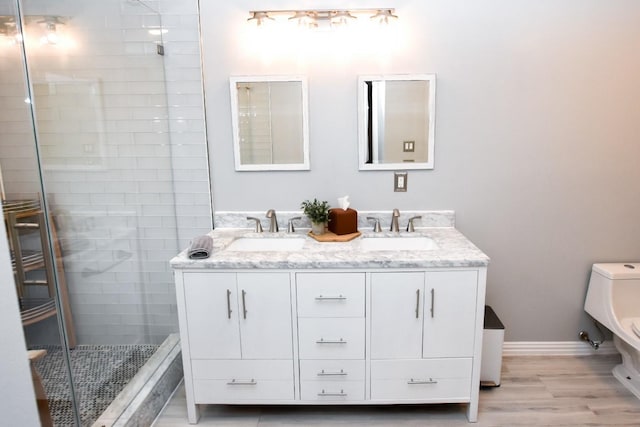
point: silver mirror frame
(305, 165)
(362, 122)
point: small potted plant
(318, 214)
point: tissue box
(343, 221)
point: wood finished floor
(535, 391)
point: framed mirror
(270, 121)
(396, 118)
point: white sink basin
(397, 244)
(249, 244)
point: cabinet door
(265, 315)
(396, 315)
(450, 313)
(212, 315)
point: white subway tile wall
(121, 134)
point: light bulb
(383, 16)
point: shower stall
(104, 178)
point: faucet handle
(290, 228)
(376, 226)
(410, 227)
(258, 228)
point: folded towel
(200, 247)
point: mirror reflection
(270, 123)
(396, 122)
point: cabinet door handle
(244, 305)
(433, 301)
(429, 381)
(328, 393)
(323, 341)
(242, 382)
(322, 297)
(322, 373)
(228, 304)
(417, 303)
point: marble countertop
(454, 250)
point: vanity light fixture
(382, 16)
(342, 17)
(51, 30)
(51, 36)
(305, 18)
(8, 28)
(261, 18)
(310, 18)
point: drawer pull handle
(228, 304)
(324, 298)
(244, 304)
(328, 374)
(417, 303)
(328, 393)
(429, 381)
(323, 341)
(242, 382)
(433, 301)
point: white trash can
(492, 340)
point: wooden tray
(328, 236)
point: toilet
(613, 299)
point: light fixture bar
(310, 17)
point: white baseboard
(555, 348)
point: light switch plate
(409, 146)
(400, 181)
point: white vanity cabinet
(423, 314)
(423, 335)
(236, 332)
(331, 336)
(238, 315)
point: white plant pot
(318, 228)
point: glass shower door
(98, 154)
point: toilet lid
(635, 326)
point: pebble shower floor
(100, 372)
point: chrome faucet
(290, 227)
(376, 225)
(394, 220)
(273, 221)
(410, 227)
(258, 227)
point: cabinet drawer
(332, 370)
(424, 380)
(321, 338)
(229, 370)
(332, 391)
(330, 294)
(246, 389)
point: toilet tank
(613, 293)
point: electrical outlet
(400, 181)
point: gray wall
(537, 130)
